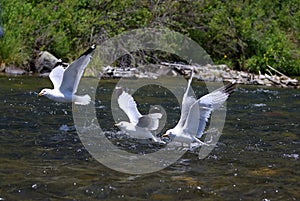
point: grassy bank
(245, 35)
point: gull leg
(208, 143)
(194, 146)
(158, 140)
(200, 142)
(154, 139)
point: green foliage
(246, 35)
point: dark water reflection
(257, 157)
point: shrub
(246, 35)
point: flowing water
(42, 157)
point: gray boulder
(13, 70)
(45, 62)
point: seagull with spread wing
(195, 113)
(139, 126)
(66, 81)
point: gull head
(170, 133)
(123, 125)
(45, 92)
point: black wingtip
(229, 88)
(60, 63)
(90, 50)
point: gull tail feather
(82, 100)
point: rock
(2, 67)
(221, 67)
(14, 70)
(45, 62)
(44, 74)
(108, 71)
(226, 76)
(122, 72)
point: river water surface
(42, 157)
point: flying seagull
(65, 80)
(195, 113)
(139, 126)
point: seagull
(65, 80)
(139, 126)
(195, 114)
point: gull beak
(116, 125)
(165, 135)
(40, 94)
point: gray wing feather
(201, 110)
(150, 121)
(162, 120)
(74, 72)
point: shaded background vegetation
(244, 34)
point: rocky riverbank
(46, 61)
(204, 73)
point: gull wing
(201, 110)
(56, 76)
(150, 121)
(187, 102)
(74, 72)
(128, 105)
(162, 121)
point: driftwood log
(206, 73)
(222, 72)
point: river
(42, 157)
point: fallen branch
(278, 72)
(182, 66)
(272, 79)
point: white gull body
(139, 126)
